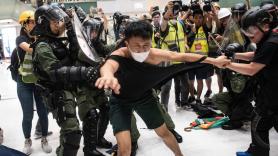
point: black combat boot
(102, 126)
(90, 134)
(231, 125)
(71, 143)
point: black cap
(154, 13)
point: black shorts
(146, 107)
(201, 73)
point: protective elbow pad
(66, 74)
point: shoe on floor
(208, 93)
(45, 147)
(27, 147)
(191, 99)
(232, 125)
(198, 102)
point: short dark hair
(139, 29)
(197, 12)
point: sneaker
(45, 147)
(27, 147)
(1, 136)
(187, 107)
(191, 99)
(198, 102)
(113, 150)
(208, 93)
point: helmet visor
(55, 14)
(250, 31)
(93, 31)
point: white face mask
(139, 57)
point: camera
(119, 17)
(177, 7)
(156, 8)
(173, 47)
(207, 5)
(194, 5)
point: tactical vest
(59, 50)
(26, 69)
(200, 43)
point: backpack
(14, 66)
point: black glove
(232, 48)
(80, 13)
(68, 24)
(68, 18)
(92, 74)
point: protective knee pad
(92, 115)
(71, 143)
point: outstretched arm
(107, 79)
(164, 55)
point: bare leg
(199, 88)
(208, 82)
(124, 143)
(168, 139)
(220, 82)
(191, 87)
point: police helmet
(44, 15)
(91, 25)
(272, 10)
(256, 17)
(240, 8)
(264, 2)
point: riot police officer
(54, 65)
(92, 102)
(260, 25)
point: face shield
(57, 18)
(250, 31)
(94, 30)
(236, 15)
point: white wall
(131, 6)
(9, 36)
(123, 6)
